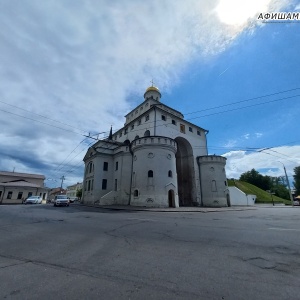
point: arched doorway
(171, 198)
(184, 167)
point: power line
(242, 101)
(234, 109)
(45, 117)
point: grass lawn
(262, 196)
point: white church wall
(213, 180)
(155, 155)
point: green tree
(253, 177)
(79, 193)
(297, 179)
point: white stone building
(16, 187)
(73, 189)
(157, 159)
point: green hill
(262, 196)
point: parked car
(33, 200)
(61, 200)
(296, 202)
(73, 199)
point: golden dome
(152, 88)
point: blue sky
(69, 68)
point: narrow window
(147, 118)
(89, 185)
(170, 174)
(136, 137)
(20, 194)
(150, 173)
(120, 134)
(225, 183)
(198, 132)
(213, 186)
(163, 117)
(9, 195)
(126, 131)
(147, 133)
(190, 129)
(173, 122)
(132, 127)
(117, 165)
(139, 122)
(136, 193)
(116, 184)
(85, 186)
(104, 184)
(92, 184)
(105, 166)
(136, 112)
(182, 128)
(0, 194)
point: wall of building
(156, 155)
(238, 197)
(213, 181)
(19, 194)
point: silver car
(33, 200)
(61, 200)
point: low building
(73, 189)
(16, 187)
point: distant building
(72, 189)
(158, 159)
(16, 187)
(56, 191)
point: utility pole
(62, 180)
(288, 183)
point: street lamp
(288, 183)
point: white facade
(238, 197)
(156, 160)
(16, 187)
(73, 189)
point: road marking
(284, 229)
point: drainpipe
(201, 194)
(131, 173)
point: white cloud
(258, 134)
(79, 61)
(267, 162)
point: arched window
(136, 137)
(213, 186)
(170, 174)
(150, 173)
(147, 133)
(90, 168)
(135, 193)
(126, 142)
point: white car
(33, 200)
(61, 200)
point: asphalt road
(80, 252)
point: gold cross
(152, 81)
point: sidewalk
(173, 209)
